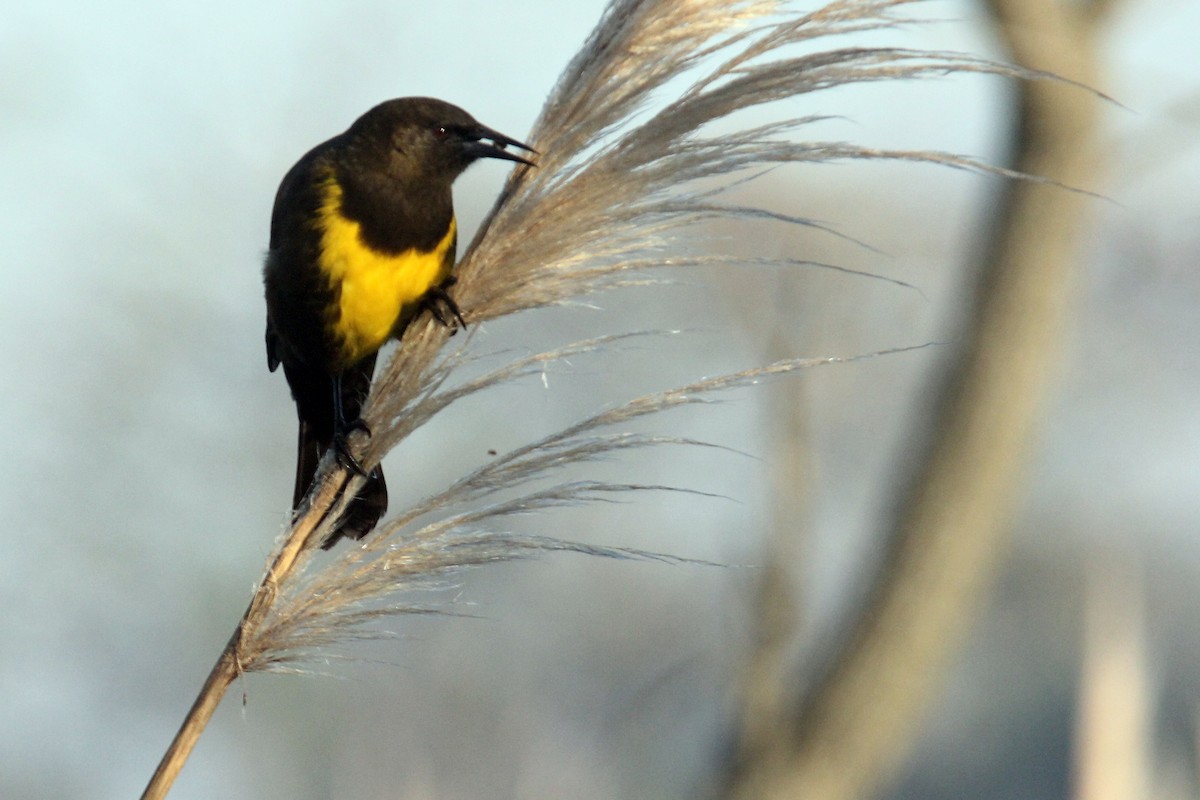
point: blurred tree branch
(844, 738)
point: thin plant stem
(229, 664)
(223, 673)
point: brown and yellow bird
(363, 238)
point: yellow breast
(375, 289)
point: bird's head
(420, 138)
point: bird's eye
(440, 132)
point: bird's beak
(487, 143)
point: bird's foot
(439, 303)
(341, 445)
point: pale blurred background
(149, 453)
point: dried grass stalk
(614, 186)
(616, 183)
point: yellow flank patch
(376, 288)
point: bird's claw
(341, 445)
(443, 308)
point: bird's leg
(342, 428)
(439, 303)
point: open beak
(487, 143)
